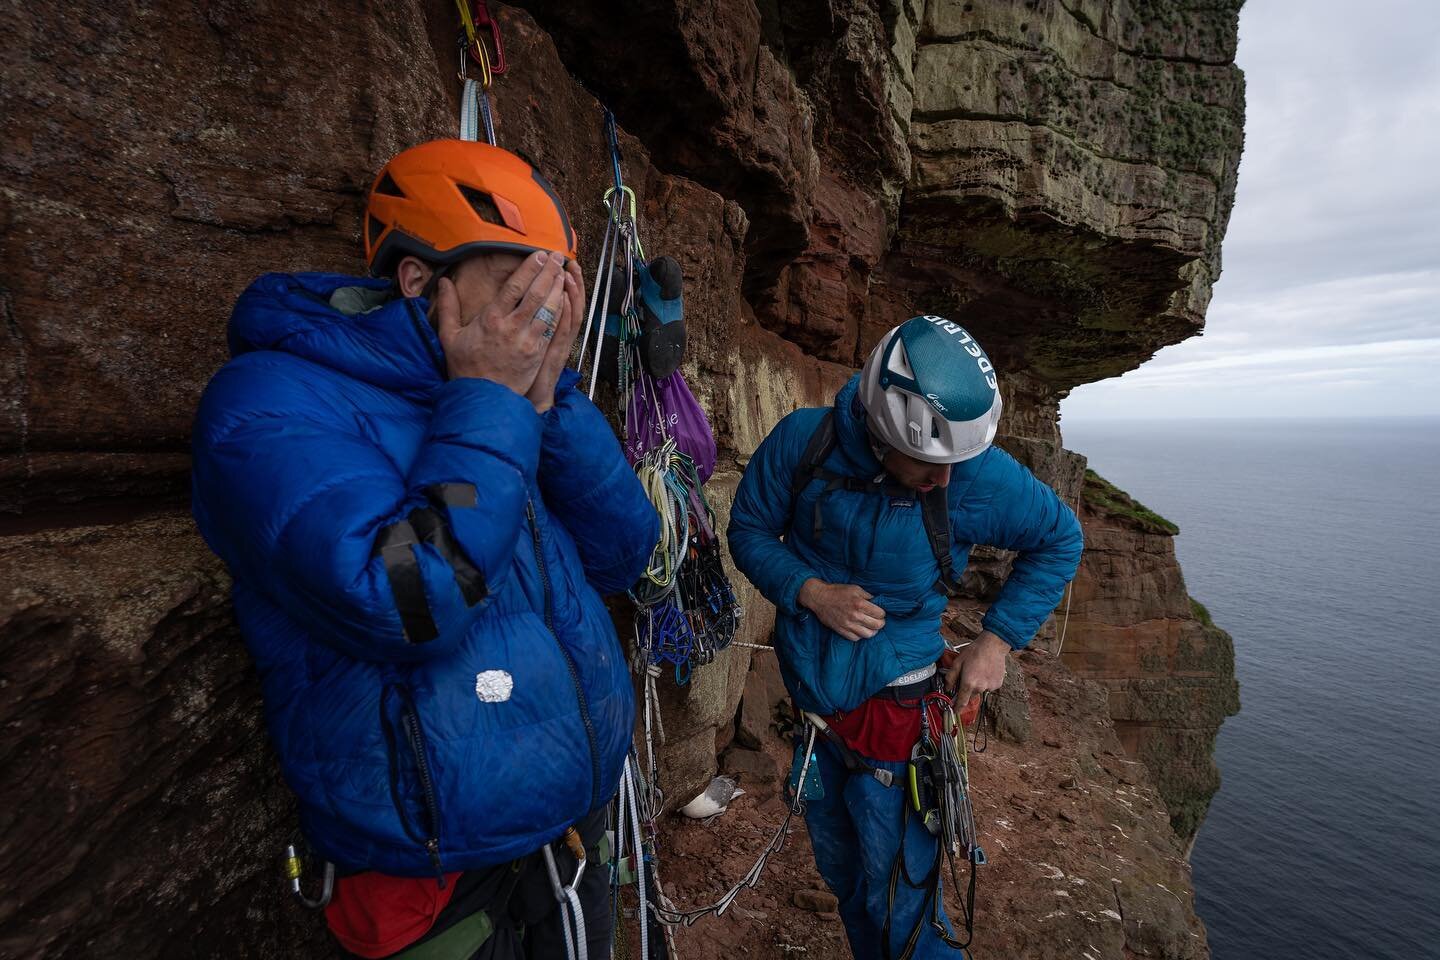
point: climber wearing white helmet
(856, 521)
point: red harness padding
(883, 728)
(375, 915)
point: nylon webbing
(475, 111)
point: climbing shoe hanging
(644, 311)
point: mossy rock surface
(1104, 495)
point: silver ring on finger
(546, 316)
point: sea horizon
(1319, 552)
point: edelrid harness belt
(934, 505)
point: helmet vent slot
(483, 204)
(374, 228)
(387, 187)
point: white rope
(751, 646)
(629, 779)
(582, 948)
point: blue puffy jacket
(418, 566)
(878, 542)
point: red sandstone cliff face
(1169, 670)
(1057, 176)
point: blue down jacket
(418, 567)
(878, 542)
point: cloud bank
(1329, 303)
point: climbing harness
(475, 110)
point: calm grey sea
(1316, 544)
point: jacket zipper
(427, 789)
(569, 660)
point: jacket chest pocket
(848, 522)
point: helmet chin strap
(877, 446)
(427, 293)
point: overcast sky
(1329, 304)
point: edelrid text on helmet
(971, 347)
(446, 200)
(930, 391)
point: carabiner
(294, 868)
(620, 213)
(484, 20)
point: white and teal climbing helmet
(929, 391)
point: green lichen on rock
(1104, 495)
(1201, 612)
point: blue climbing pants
(855, 832)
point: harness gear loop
(939, 793)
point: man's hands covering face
(508, 341)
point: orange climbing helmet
(449, 199)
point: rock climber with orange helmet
(421, 512)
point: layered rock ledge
(1055, 175)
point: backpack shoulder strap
(817, 450)
(935, 510)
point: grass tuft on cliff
(1200, 612)
(1104, 495)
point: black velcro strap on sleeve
(432, 529)
(935, 510)
(396, 545)
(452, 494)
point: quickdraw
(475, 110)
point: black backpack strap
(935, 506)
(935, 510)
(817, 450)
(819, 447)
